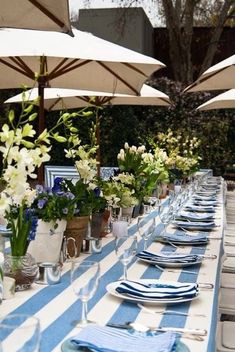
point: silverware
(143, 328)
(173, 312)
(177, 270)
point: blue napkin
(184, 237)
(168, 257)
(158, 290)
(204, 202)
(194, 216)
(195, 224)
(198, 208)
(105, 339)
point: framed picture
(70, 172)
(53, 171)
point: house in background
(130, 27)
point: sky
(148, 6)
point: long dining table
(57, 306)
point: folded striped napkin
(157, 290)
(198, 208)
(105, 339)
(195, 224)
(194, 216)
(204, 202)
(168, 257)
(184, 237)
(3, 229)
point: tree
(180, 17)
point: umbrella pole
(41, 125)
(98, 141)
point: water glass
(166, 215)
(20, 333)
(125, 249)
(145, 232)
(84, 279)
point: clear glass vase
(23, 269)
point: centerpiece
(147, 169)
(52, 207)
(88, 198)
(22, 153)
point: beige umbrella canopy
(217, 77)
(49, 15)
(58, 60)
(222, 101)
(58, 99)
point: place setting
(169, 259)
(129, 337)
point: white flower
(133, 149)
(126, 146)
(141, 149)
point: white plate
(170, 265)
(111, 288)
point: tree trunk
(212, 47)
(179, 24)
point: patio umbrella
(50, 15)
(60, 99)
(222, 101)
(217, 77)
(58, 60)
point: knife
(143, 328)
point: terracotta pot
(96, 224)
(76, 228)
(105, 223)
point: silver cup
(48, 274)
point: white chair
(227, 301)
(226, 336)
(229, 262)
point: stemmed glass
(84, 279)
(166, 215)
(146, 233)
(20, 332)
(125, 249)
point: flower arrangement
(119, 191)
(22, 153)
(146, 167)
(183, 158)
(88, 196)
(51, 204)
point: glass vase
(23, 269)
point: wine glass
(125, 249)
(84, 279)
(20, 333)
(145, 233)
(166, 214)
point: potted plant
(22, 153)
(52, 207)
(90, 204)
